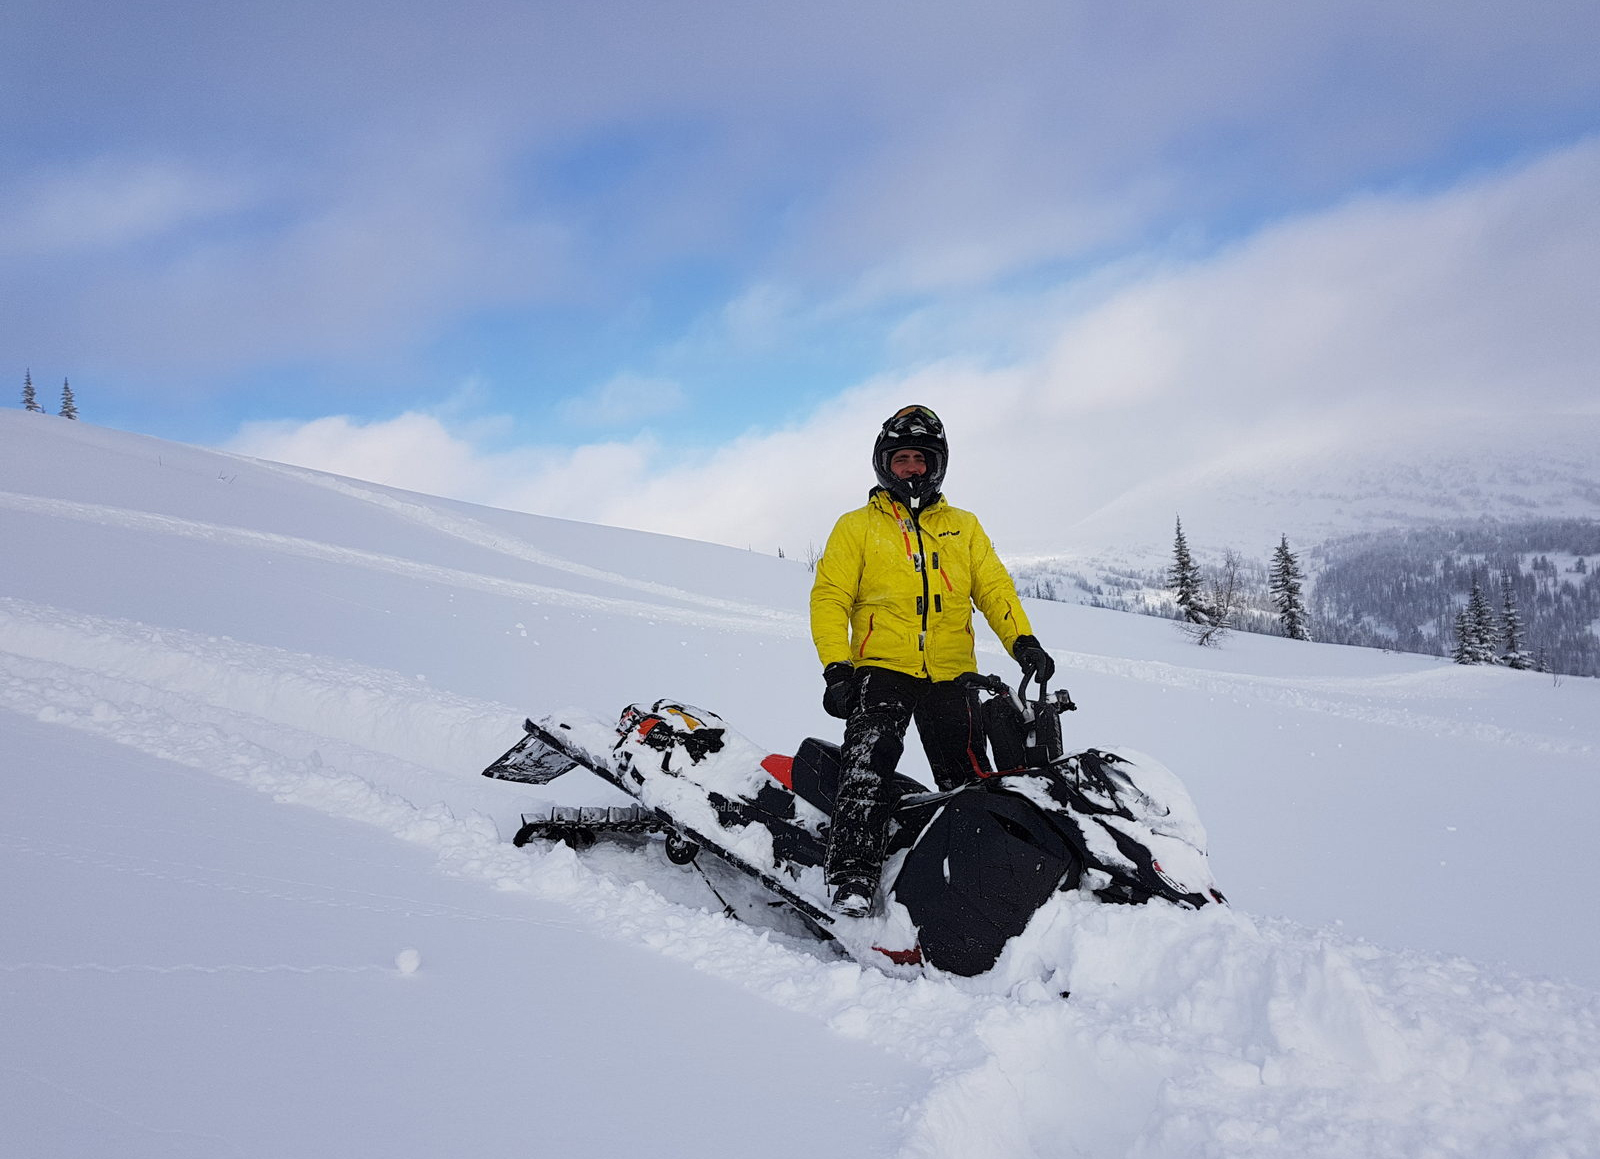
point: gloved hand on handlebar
(1034, 661)
(839, 697)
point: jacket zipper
(922, 604)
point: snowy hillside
(1345, 481)
(1322, 485)
(262, 904)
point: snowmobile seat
(815, 776)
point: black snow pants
(951, 730)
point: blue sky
(599, 260)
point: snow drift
(1406, 969)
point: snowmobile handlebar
(990, 684)
(1062, 699)
(1024, 732)
(995, 686)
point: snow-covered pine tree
(69, 405)
(1284, 582)
(1474, 630)
(1481, 627)
(1462, 650)
(1184, 579)
(30, 399)
(1512, 652)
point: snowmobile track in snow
(1181, 1025)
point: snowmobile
(966, 868)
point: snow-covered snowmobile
(966, 868)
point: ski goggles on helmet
(914, 420)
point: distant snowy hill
(1353, 480)
(260, 903)
(1385, 511)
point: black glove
(839, 697)
(1034, 661)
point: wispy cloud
(108, 204)
(626, 400)
(457, 167)
(1373, 315)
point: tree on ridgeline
(30, 399)
(1512, 652)
(69, 405)
(1184, 580)
(1285, 585)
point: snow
(261, 903)
(1346, 480)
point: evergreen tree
(1462, 652)
(30, 400)
(69, 406)
(1475, 630)
(1512, 653)
(1184, 579)
(1284, 583)
(1480, 636)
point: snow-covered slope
(351, 959)
(1316, 484)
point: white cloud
(413, 451)
(366, 260)
(111, 203)
(455, 167)
(1372, 315)
(623, 400)
(446, 456)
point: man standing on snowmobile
(891, 615)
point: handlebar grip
(991, 684)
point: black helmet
(912, 428)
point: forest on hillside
(1398, 589)
(1402, 589)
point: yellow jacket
(897, 593)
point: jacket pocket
(872, 624)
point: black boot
(852, 897)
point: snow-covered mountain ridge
(1391, 528)
(1350, 479)
(178, 628)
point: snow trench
(1147, 1032)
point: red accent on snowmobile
(781, 768)
(911, 957)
